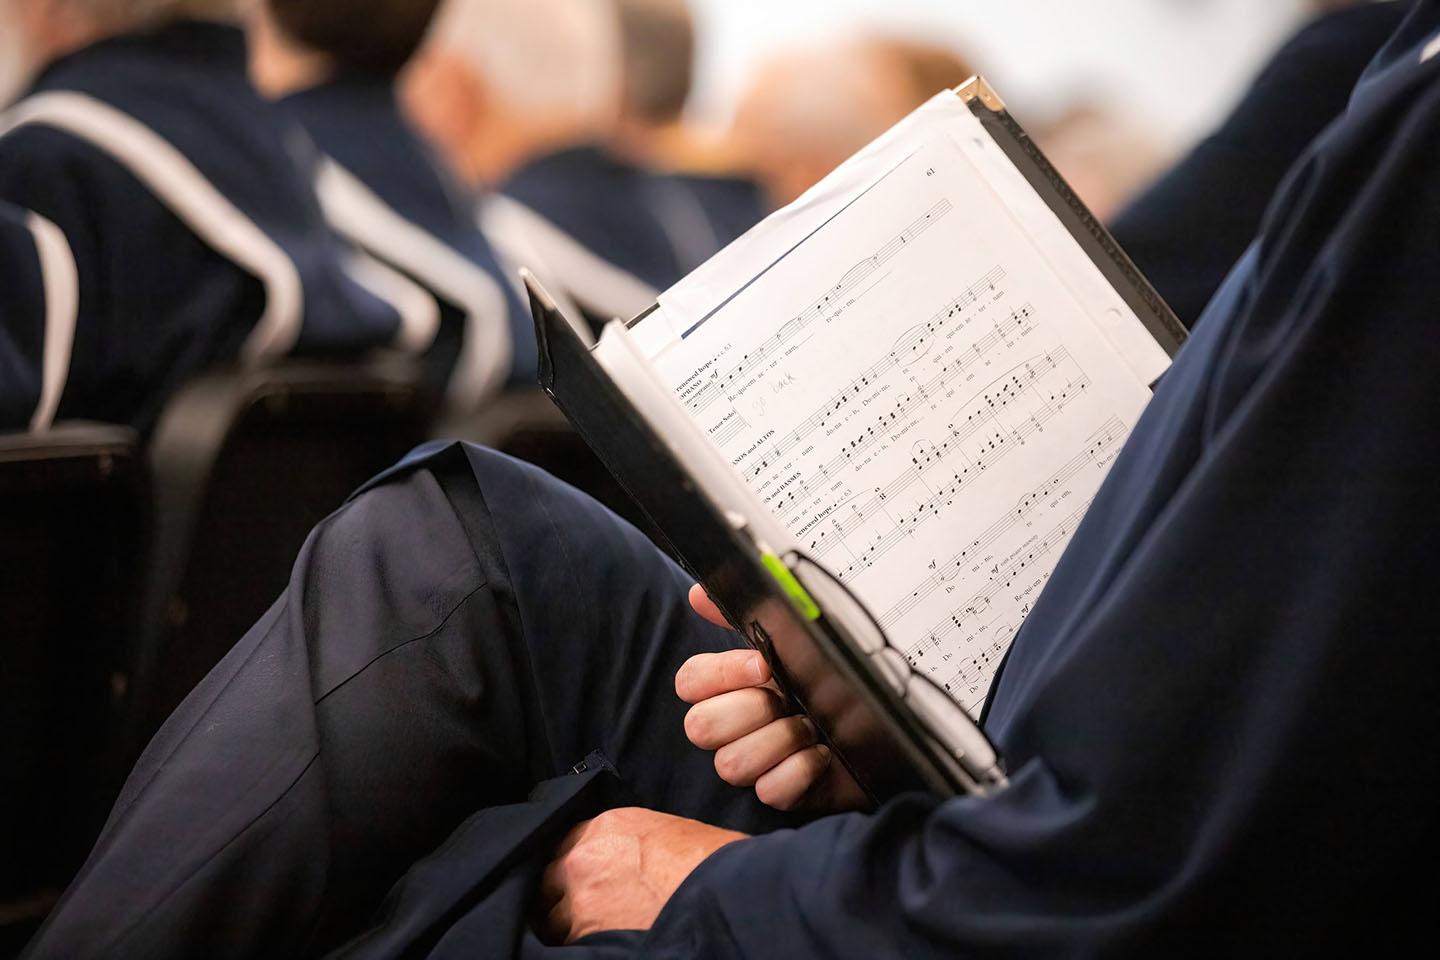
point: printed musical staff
(732, 427)
(1000, 578)
(708, 391)
(968, 680)
(971, 419)
(1002, 332)
(1104, 441)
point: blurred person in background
(929, 67)
(333, 65)
(196, 237)
(13, 70)
(1188, 228)
(522, 95)
(701, 206)
(37, 315)
(657, 49)
(805, 113)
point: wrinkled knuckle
(581, 859)
(586, 858)
(623, 817)
(607, 821)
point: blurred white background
(1174, 66)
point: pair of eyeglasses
(946, 720)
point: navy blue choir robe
(158, 302)
(356, 122)
(1187, 229)
(732, 204)
(702, 213)
(1217, 718)
(603, 203)
(22, 318)
(610, 234)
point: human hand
(617, 871)
(738, 712)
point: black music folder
(870, 425)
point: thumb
(704, 606)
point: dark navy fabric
(157, 304)
(22, 319)
(701, 214)
(1220, 715)
(463, 629)
(732, 205)
(1187, 230)
(605, 204)
(655, 227)
(473, 897)
(356, 121)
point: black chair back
(245, 463)
(73, 515)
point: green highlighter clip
(804, 603)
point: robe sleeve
(22, 320)
(54, 175)
(155, 303)
(1227, 748)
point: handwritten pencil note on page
(917, 393)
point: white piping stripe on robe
(486, 348)
(597, 285)
(62, 303)
(210, 215)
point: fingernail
(757, 669)
(824, 752)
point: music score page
(917, 394)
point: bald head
(499, 80)
(803, 114)
(536, 54)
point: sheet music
(916, 395)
